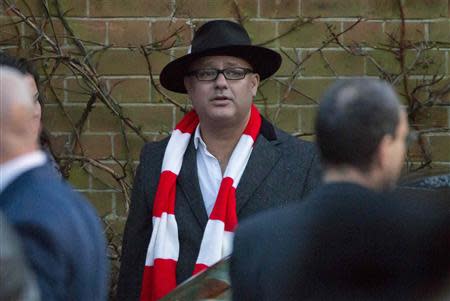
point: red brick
(385, 60)
(54, 120)
(305, 91)
(290, 60)
(438, 90)
(89, 32)
(414, 32)
(433, 117)
(287, 119)
(78, 176)
(171, 33)
(102, 201)
(102, 179)
(28, 7)
(101, 119)
(135, 8)
(413, 9)
(54, 31)
(135, 144)
(128, 90)
(151, 118)
(279, 9)
(440, 147)
(157, 97)
(307, 119)
(415, 152)
(53, 90)
(268, 92)
(332, 63)
(78, 91)
(10, 31)
(429, 62)
(47, 67)
(58, 143)
(129, 33)
(69, 8)
(440, 31)
(262, 32)
(95, 146)
(306, 35)
(120, 210)
(215, 8)
(382, 9)
(128, 62)
(364, 33)
(426, 9)
(332, 8)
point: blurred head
(16, 115)
(31, 77)
(361, 125)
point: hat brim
(264, 61)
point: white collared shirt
(11, 169)
(209, 172)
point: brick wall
(319, 40)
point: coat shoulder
(294, 144)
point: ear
(254, 82)
(383, 153)
(187, 83)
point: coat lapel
(188, 181)
(262, 160)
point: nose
(221, 82)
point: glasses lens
(206, 74)
(234, 73)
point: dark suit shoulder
(155, 147)
(294, 144)
(58, 227)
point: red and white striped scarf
(162, 254)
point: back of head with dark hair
(353, 117)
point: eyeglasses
(36, 97)
(210, 74)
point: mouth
(221, 99)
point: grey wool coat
(281, 168)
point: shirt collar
(198, 138)
(12, 169)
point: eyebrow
(226, 64)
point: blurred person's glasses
(210, 74)
(36, 97)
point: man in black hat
(223, 163)
(347, 240)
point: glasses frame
(219, 71)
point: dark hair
(354, 115)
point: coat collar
(264, 157)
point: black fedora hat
(220, 37)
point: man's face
(396, 152)
(221, 101)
